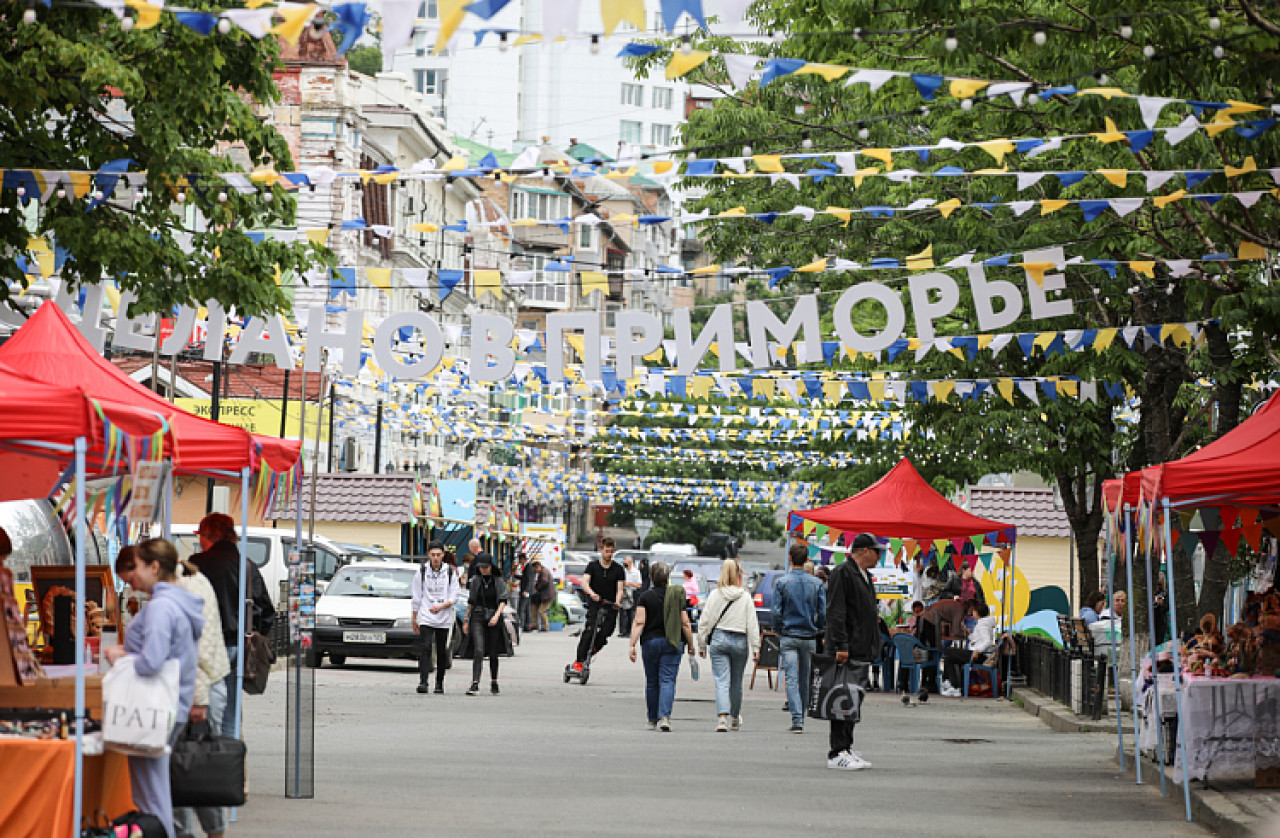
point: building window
(429, 9)
(542, 206)
(586, 238)
(633, 94)
(629, 132)
(662, 97)
(660, 134)
(431, 82)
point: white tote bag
(139, 711)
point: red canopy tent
(49, 348)
(1243, 466)
(902, 505)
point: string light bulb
(1040, 37)
(22, 190)
(1103, 78)
(1218, 51)
(267, 197)
(222, 197)
(1215, 22)
(97, 195)
(966, 104)
(1126, 28)
(686, 45)
(29, 16)
(182, 196)
(806, 143)
(777, 36)
(126, 22)
(224, 26)
(546, 174)
(864, 133)
(1149, 51)
(502, 42)
(62, 192)
(746, 151)
(595, 45)
(951, 43)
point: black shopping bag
(836, 690)
(258, 658)
(206, 770)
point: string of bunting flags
(941, 550)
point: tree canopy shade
(902, 505)
(78, 92)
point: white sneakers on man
(848, 761)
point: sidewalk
(1232, 809)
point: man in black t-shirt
(603, 582)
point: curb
(1059, 717)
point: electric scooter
(582, 675)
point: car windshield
(575, 568)
(385, 582)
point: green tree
(78, 91)
(1074, 444)
(367, 60)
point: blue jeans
(233, 696)
(213, 819)
(797, 654)
(661, 666)
(728, 651)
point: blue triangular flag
(449, 280)
(776, 68)
(927, 85)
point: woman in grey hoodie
(728, 629)
(167, 627)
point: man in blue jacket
(799, 615)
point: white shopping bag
(139, 711)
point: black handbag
(205, 769)
(258, 658)
(836, 690)
(150, 825)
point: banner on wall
(551, 553)
(258, 416)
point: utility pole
(377, 441)
(284, 406)
(333, 405)
(213, 414)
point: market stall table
(38, 778)
(1231, 727)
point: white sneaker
(664, 725)
(848, 761)
(735, 723)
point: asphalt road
(546, 758)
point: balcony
(547, 295)
(544, 235)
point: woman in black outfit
(485, 633)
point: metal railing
(1048, 667)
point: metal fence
(1049, 670)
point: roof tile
(1032, 511)
(360, 498)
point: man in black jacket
(853, 634)
(219, 561)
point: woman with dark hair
(662, 621)
(167, 628)
(1092, 606)
(485, 633)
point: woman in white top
(982, 640)
(729, 631)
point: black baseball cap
(482, 560)
(866, 539)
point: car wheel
(337, 660)
(314, 658)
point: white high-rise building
(558, 92)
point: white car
(573, 607)
(366, 612)
(672, 549)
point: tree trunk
(1084, 512)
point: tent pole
(77, 812)
(166, 516)
(1115, 673)
(1151, 623)
(244, 580)
(1013, 595)
(1133, 643)
(1177, 661)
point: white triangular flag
(921, 203)
(1248, 199)
(398, 17)
(1019, 207)
(999, 342)
(740, 68)
(1015, 90)
(875, 78)
(962, 261)
(785, 177)
(1124, 206)
(559, 18)
(257, 22)
(804, 212)
(1178, 267)
(1182, 130)
(1151, 106)
(1028, 389)
(1028, 179)
(1089, 391)
(732, 16)
(1155, 180)
(419, 278)
(1051, 144)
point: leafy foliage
(367, 60)
(77, 91)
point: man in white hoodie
(728, 629)
(435, 590)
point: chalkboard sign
(769, 650)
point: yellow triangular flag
(708, 269)
(594, 281)
(578, 344)
(921, 261)
(839, 212)
(425, 227)
(942, 390)
(380, 277)
(148, 15)
(1104, 92)
(1118, 177)
(733, 212)
(967, 88)
(1047, 207)
(948, 207)
(1221, 122)
(456, 163)
(1004, 386)
(1147, 269)
(296, 17)
(1104, 340)
(490, 281)
(884, 155)
(768, 162)
(1235, 107)
(451, 14)
(1164, 200)
(1036, 270)
(813, 267)
(700, 386)
(1043, 339)
(661, 167)
(997, 149)
(613, 12)
(1250, 250)
(833, 391)
(682, 63)
(1111, 135)
(764, 388)
(830, 72)
(1249, 165)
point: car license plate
(364, 637)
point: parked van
(672, 549)
(269, 549)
